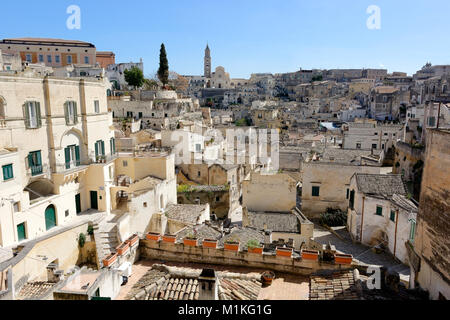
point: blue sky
(247, 36)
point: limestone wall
(180, 253)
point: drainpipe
(362, 219)
(395, 235)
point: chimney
(208, 285)
(267, 236)
(54, 275)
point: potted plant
(310, 255)
(232, 244)
(340, 258)
(268, 277)
(110, 260)
(210, 243)
(153, 236)
(255, 247)
(134, 239)
(284, 252)
(123, 249)
(190, 240)
(169, 238)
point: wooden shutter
(96, 150)
(26, 115)
(67, 156)
(103, 147)
(66, 112)
(75, 113)
(77, 155)
(38, 114)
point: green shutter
(26, 115)
(379, 211)
(38, 114)
(315, 191)
(21, 233)
(96, 149)
(112, 143)
(67, 156)
(392, 216)
(352, 199)
(103, 147)
(75, 113)
(8, 172)
(66, 112)
(413, 231)
(30, 160)
(77, 155)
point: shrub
(252, 244)
(90, 230)
(81, 240)
(333, 218)
(183, 188)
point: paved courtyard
(360, 252)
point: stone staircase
(106, 239)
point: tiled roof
(337, 286)
(345, 156)
(207, 188)
(203, 231)
(404, 202)
(384, 185)
(187, 213)
(171, 283)
(35, 290)
(276, 222)
(175, 289)
(244, 235)
(48, 40)
(239, 289)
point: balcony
(37, 171)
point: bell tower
(207, 62)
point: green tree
(163, 72)
(134, 77)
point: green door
(21, 234)
(50, 217)
(78, 203)
(94, 201)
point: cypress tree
(163, 72)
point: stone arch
(40, 188)
(71, 136)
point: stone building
(371, 136)
(326, 181)
(116, 73)
(380, 213)
(430, 265)
(51, 52)
(385, 103)
(105, 58)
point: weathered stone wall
(180, 253)
(432, 241)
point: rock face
(166, 94)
